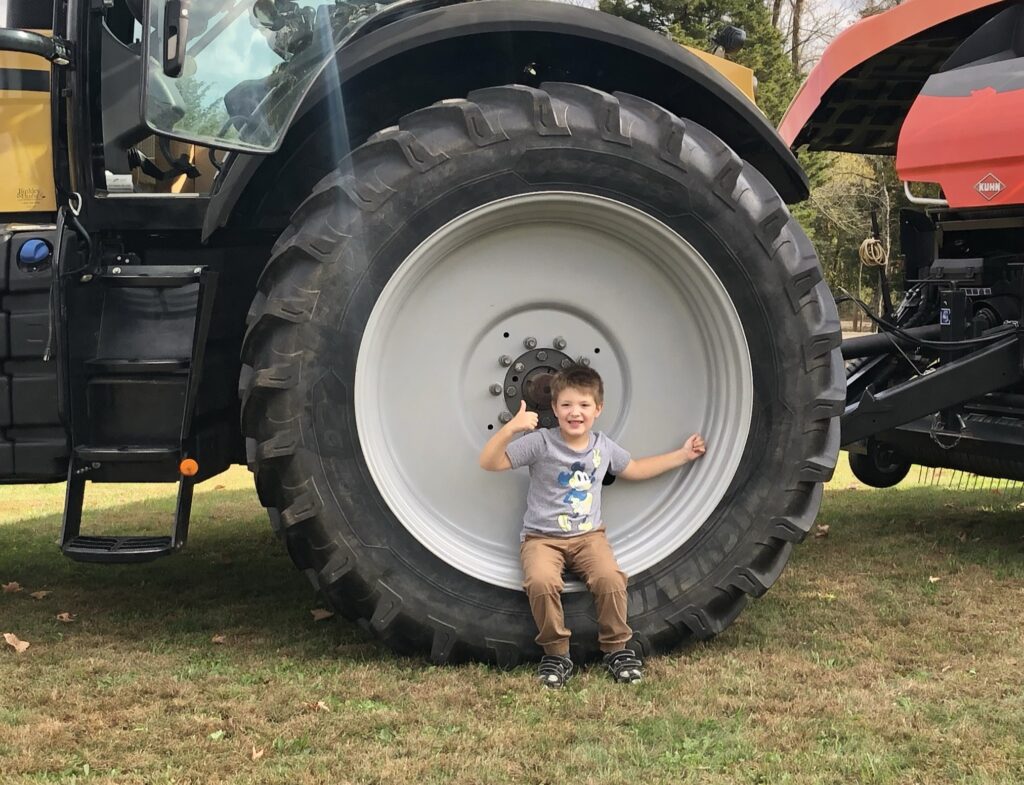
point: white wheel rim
(600, 274)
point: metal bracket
(983, 371)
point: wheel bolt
(505, 417)
(542, 356)
(530, 343)
(567, 363)
(510, 391)
(559, 343)
(584, 360)
(495, 389)
(505, 361)
(518, 367)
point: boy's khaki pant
(589, 556)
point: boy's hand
(694, 447)
(524, 420)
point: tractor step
(89, 462)
(135, 380)
(118, 550)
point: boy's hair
(578, 377)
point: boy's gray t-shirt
(564, 499)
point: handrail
(56, 50)
(922, 200)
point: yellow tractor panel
(739, 75)
(26, 157)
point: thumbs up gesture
(524, 420)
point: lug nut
(505, 361)
(567, 363)
(495, 389)
(510, 391)
(542, 356)
(559, 343)
(505, 417)
(518, 367)
(584, 360)
(530, 343)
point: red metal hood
(856, 98)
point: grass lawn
(890, 651)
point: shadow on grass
(233, 578)
(918, 526)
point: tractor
(340, 241)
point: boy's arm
(493, 457)
(652, 466)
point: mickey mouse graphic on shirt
(579, 497)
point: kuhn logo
(989, 186)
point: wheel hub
(529, 379)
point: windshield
(246, 67)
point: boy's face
(576, 411)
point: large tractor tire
(444, 271)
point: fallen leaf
(946, 668)
(218, 639)
(257, 753)
(18, 645)
(962, 536)
(38, 594)
(822, 530)
(12, 587)
(950, 505)
(220, 488)
(217, 735)
(934, 579)
(319, 706)
(319, 614)
(67, 618)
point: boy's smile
(576, 411)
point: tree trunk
(776, 13)
(798, 11)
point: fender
(857, 96)
(447, 52)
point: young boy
(563, 526)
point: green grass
(889, 652)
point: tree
(808, 26)
(695, 22)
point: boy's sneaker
(554, 670)
(625, 666)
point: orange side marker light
(189, 467)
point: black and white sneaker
(554, 670)
(625, 666)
